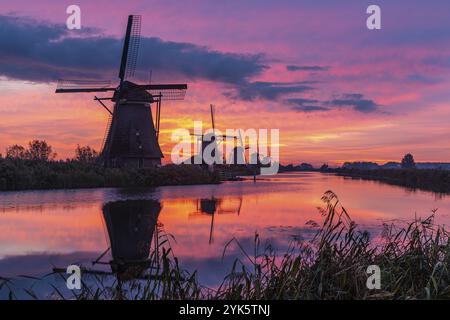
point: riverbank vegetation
(434, 180)
(413, 259)
(35, 168)
(434, 177)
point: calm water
(41, 229)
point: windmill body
(132, 135)
(209, 143)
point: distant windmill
(131, 137)
(211, 137)
(238, 153)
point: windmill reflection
(213, 206)
(130, 226)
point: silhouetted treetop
(408, 162)
(85, 154)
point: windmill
(211, 137)
(238, 153)
(131, 138)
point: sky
(336, 90)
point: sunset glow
(337, 91)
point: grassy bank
(424, 179)
(414, 260)
(19, 174)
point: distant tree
(306, 166)
(40, 150)
(408, 162)
(85, 154)
(289, 167)
(16, 152)
(324, 167)
(361, 165)
(391, 165)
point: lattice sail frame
(133, 46)
(161, 92)
(168, 94)
(83, 84)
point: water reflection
(130, 225)
(41, 229)
(215, 206)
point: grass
(18, 174)
(414, 260)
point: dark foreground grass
(18, 174)
(414, 260)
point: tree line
(40, 150)
(36, 167)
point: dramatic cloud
(40, 52)
(421, 79)
(309, 108)
(353, 100)
(437, 61)
(301, 101)
(357, 102)
(306, 68)
(270, 90)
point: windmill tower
(238, 152)
(211, 139)
(132, 135)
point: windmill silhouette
(131, 138)
(238, 153)
(213, 139)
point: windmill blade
(224, 136)
(212, 117)
(242, 141)
(65, 86)
(240, 138)
(199, 136)
(166, 91)
(245, 148)
(130, 47)
(133, 50)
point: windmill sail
(66, 86)
(130, 47)
(133, 50)
(131, 137)
(166, 91)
